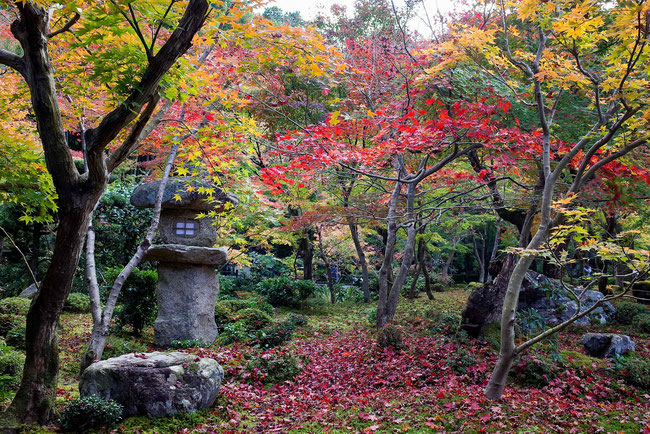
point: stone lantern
(187, 286)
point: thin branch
(67, 26)
(31, 272)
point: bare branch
(67, 26)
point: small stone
(606, 345)
(154, 384)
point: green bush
(298, 320)
(14, 306)
(256, 303)
(234, 332)
(635, 371)
(643, 323)
(187, 343)
(11, 366)
(266, 266)
(77, 303)
(89, 413)
(253, 319)
(16, 337)
(274, 367)
(228, 285)
(391, 336)
(535, 371)
(137, 302)
(117, 346)
(627, 311)
(460, 360)
(282, 291)
(222, 314)
(275, 334)
(371, 316)
(9, 322)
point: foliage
(16, 336)
(530, 321)
(222, 314)
(627, 312)
(460, 360)
(236, 331)
(282, 291)
(90, 412)
(117, 346)
(274, 367)
(14, 305)
(371, 315)
(77, 303)
(229, 285)
(138, 306)
(297, 319)
(276, 334)
(250, 303)
(11, 365)
(187, 343)
(253, 319)
(9, 322)
(535, 371)
(643, 323)
(635, 371)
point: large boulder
(556, 304)
(606, 345)
(155, 384)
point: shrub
(535, 371)
(117, 346)
(14, 306)
(275, 334)
(234, 332)
(274, 367)
(460, 360)
(11, 366)
(9, 322)
(228, 285)
(187, 343)
(627, 311)
(635, 371)
(491, 333)
(237, 305)
(391, 336)
(16, 337)
(371, 316)
(439, 283)
(222, 314)
(89, 413)
(298, 320)
(643, 323)
(138, 306)
(77, 303)
(282, 291)
(253, 319)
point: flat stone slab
(155, 384)
(193, 195)
(181, 254)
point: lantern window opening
(186, 228)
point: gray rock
(144, 196)
(556, 304)
(155, 384)
(29, 291)
(186, 298)
(181, 254)
(606, 345)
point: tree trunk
(365, 284)
(34, 400)
(447, 264)
(307, 248)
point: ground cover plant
(332, 374)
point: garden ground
(349, 384)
